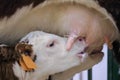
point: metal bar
(110, 63)
(90, 74)
(113, 68)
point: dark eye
(51, 44)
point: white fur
(51, 60)
(88, 63)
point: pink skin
(80, 24)
(71, 40)
(84, 24)
(73, 37)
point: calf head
(51, 55)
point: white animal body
(52, 56)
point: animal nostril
(82, 53)
(80, 39)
